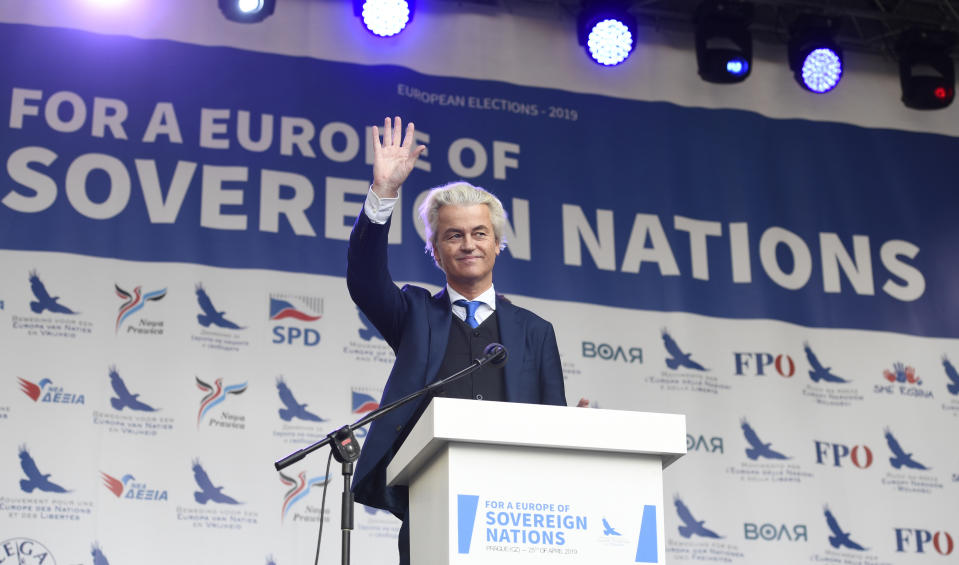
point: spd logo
(293, 309)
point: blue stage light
(814, 57)
(249, 6)
(610, 42)
(247, 11)
(384, 18)
(724, 44)
(737, 67)
(821, 70)
(607, 31)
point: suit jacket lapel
(512, 337)
(440, 319)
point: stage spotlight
(384, 18)
(607, 31)
(814, 56)
(724, 46)
(247, 11)
(926, 70)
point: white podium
(506, 483)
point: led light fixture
(724, 46)
(607, 31)
(384, 18)
(247, 11)
(814, 56)
(926, 70)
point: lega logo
(25, 551)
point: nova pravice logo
(828, 386)
(216, 507)
(48, 317)
(26, 551)
(214, 395)
(125, 486)
(698, 540)
(902, 380)
(133, 302)
(292, 317)
(368, 345)
(45, 391)
(128, 413)
(46, 492)
(298, 489)
(951, 405)
(217, 328)
(684, 372)
(766, 461)
(907, 472)
(299, 424)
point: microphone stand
(346, 449)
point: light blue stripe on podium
(466, 505)
(646, 549)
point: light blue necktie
(471, 306)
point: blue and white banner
(173, 226)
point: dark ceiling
(864, 25)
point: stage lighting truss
(247, 11)
(926, 70)
(724, 46)
(814, 56)
(607, 31)
(384, 18)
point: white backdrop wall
(606, 212)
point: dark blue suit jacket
(417, 326)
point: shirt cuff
(378, 209)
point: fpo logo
(760, 364)
(914, 540)
(609, 352)
(838, 454)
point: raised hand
(393, 157)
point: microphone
(495, 355)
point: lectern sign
(550, 490)
(500, 526)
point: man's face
(466, 247)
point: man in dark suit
(435, 335)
